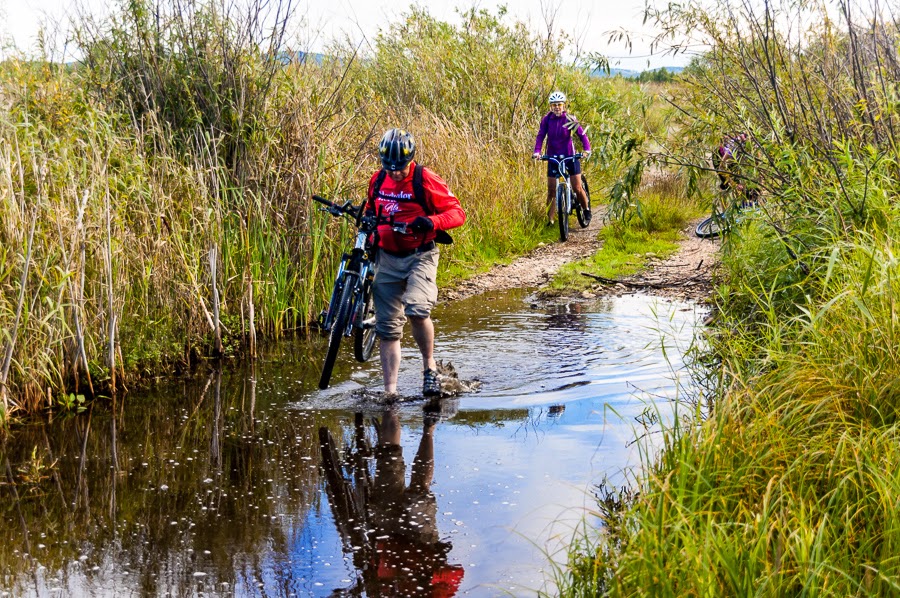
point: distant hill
(299, 56)
(630, 74)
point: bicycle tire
(364, 334)
(328, 313)
(579, 211)
(562, 211)
(710, 227)
(337, 330)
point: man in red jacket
(415, 207)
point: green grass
(628, 245)
(781, 475)
(625, 252)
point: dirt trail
(685, 275)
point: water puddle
(219, 486)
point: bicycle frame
(560, 162)
(350, 310)
(563, 176)
(356, 266)
(563, 191)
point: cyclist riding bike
(420, 208)
(557, 126)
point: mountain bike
(723, 219)
(351, 309)
(564, 195)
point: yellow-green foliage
(781, 474)
(175, 137)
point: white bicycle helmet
(556, 97)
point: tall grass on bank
(177, 145)
(785, 479)
(791, 484)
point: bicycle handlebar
(347, 208)
(337, 210)
(558, 159)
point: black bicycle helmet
(397, 149)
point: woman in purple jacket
(557, 127)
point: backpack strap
(443, 237)
(419, 188)
(379, 181)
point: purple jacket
(559, 138)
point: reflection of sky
(511, 494)
(512, 480)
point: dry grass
(131, 182)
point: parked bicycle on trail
(723, 218)
(558, 126)
(564, 200)
(736, 190)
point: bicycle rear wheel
(337, 329)
(711, 227)
(579, 211)
(364, 331)
(562, 210)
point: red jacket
(397, 199)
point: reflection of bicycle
(351, 310)
(564, 201)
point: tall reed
(177, 136)
(781, 478)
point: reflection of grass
(629, 245)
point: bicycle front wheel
(341, 318)
(562, 210)
(364, 331)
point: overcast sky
(590, 21)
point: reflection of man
(409, 557)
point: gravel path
(685, 275)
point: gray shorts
(404, 286)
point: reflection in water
(187, 493)
(388, 527)
(219, 486)
(567, 316)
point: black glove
(421, 224)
